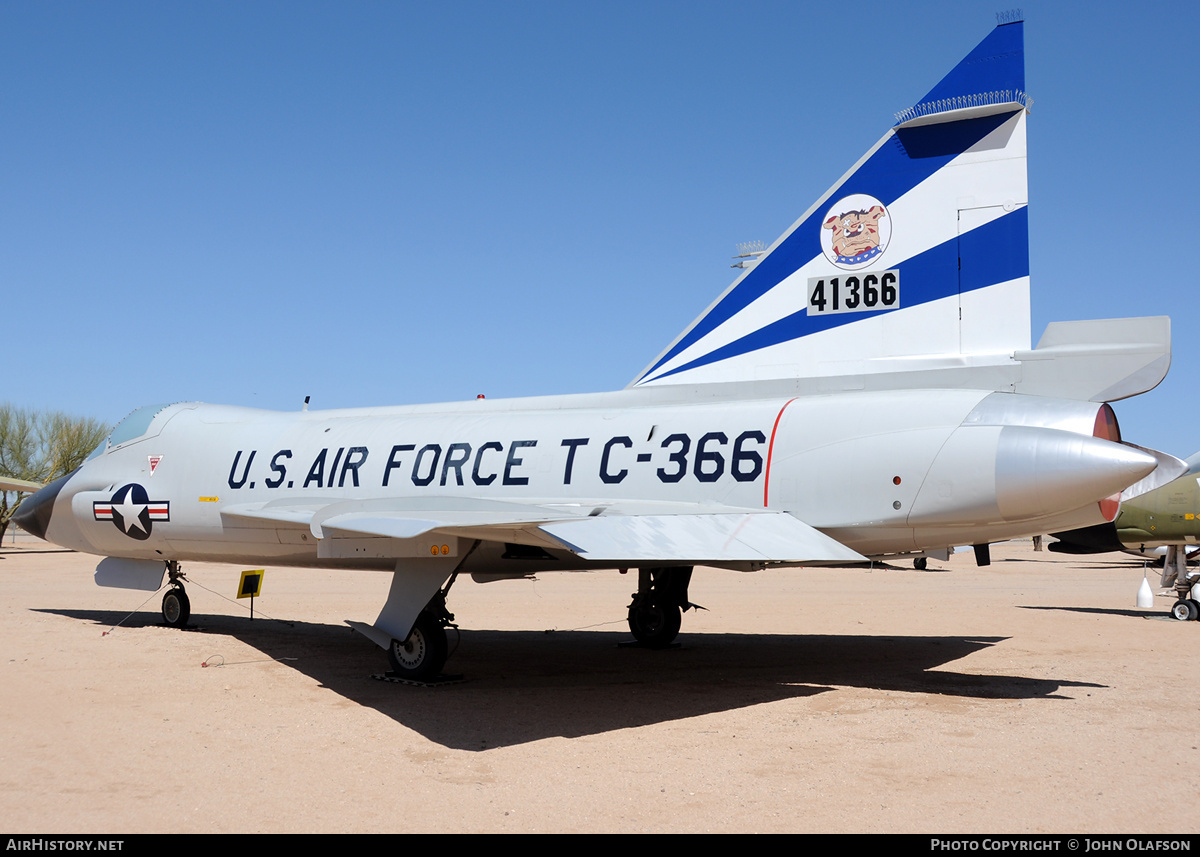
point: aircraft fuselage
(930, 469)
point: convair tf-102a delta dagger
(865, 388)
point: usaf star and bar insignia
(132, 511)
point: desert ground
(1027, 696)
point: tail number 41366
(854, 293)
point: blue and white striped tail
(918, 258)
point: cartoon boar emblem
(856, 234)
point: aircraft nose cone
(33, 515)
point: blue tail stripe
(996, 64)
(889, 174)
(994, 253)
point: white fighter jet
(866, 388)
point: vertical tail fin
(917, 258)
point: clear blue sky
(388, 203)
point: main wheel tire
(1184, 610)
(654, 624)
(423, 654)
(176, 609)
(921, 563)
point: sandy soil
(1029, 696)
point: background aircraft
(1161, 524)
(21, 485)
(865, 388)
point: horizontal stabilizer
(1101, 361)
(766, 537)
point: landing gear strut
(422, 655)
(1175, 570)
(176, 609)
(655, 614)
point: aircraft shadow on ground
(1133, 613)
(523, 686)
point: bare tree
(41, 446)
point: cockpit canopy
(133, 427)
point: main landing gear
(1185, 609)
(1175, 571)
(176, 609)
(423, 654)
(655, 614)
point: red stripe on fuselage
(771, 450)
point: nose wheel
(176, 608)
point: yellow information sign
(251, 583)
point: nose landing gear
(176, 608)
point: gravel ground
(1028, 696)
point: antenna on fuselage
(306, 398)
